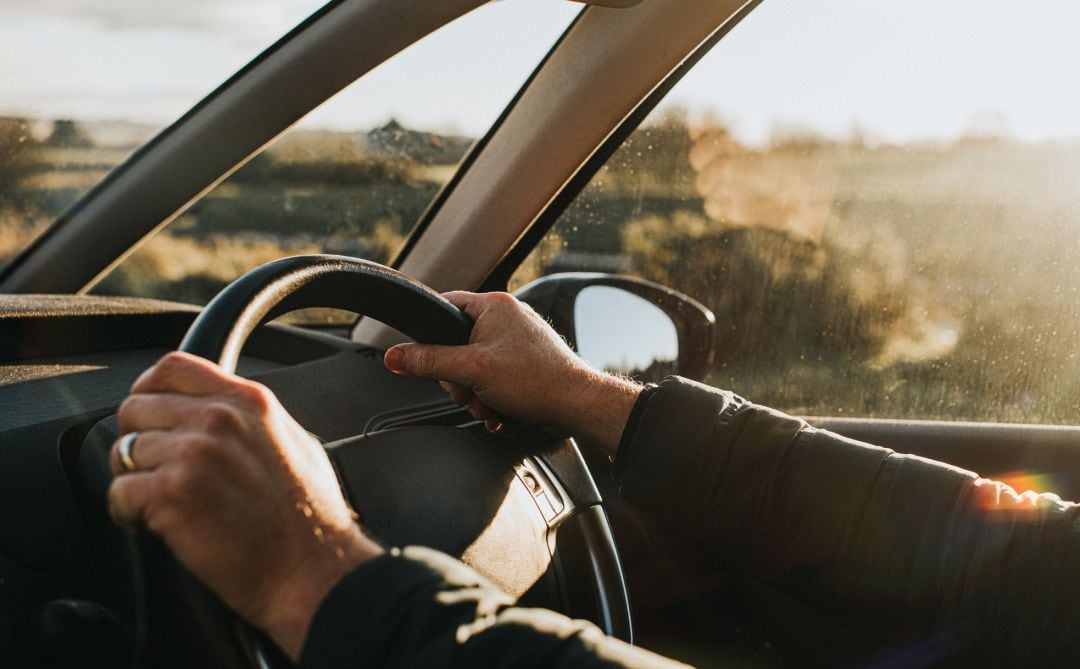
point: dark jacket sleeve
(904, 549)
(419, 608)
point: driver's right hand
(515, 365)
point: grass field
(923, 280)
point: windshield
(85, 83)
(882, 214)
(355, 175)
(351, 178)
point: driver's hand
(244, 497)
(516, 366)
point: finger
(149, 450)
(426, 361)
(130, 495)
(166, 411)
(481, 411)
(465, 398)
(475, 304)
(185, 373)
(470, 303)
(459, 394)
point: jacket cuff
(626, 442)
(388, 607)
(344, 634)
(667, 422)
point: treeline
(923, 281)
(936, 280)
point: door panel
(1027, 457)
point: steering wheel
(524, 510)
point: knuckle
(504, 299)
(158, 522)
(116, 495)
(128, 409)
(423, 361)
(256, 396)
(169, 366)
(178, 484)
(218, 417)
(195, 450)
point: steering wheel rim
(340, 282)
(278, 287)
(370, 289)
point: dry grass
(17, 230)
(189, 269)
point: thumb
(428, 361)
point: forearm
(419, 608)
(897, 547)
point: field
(932, 280)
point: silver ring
(123, 450)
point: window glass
(880, 203)
(356, 174)
(85, 83)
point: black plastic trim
(612, 599)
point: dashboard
(415, 465)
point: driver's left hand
(244, 497)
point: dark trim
(994, 450)
(474, 152)
(136, 156)
(500, 276)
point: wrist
(601, 408)
(288, 618)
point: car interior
(540, 516)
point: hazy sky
(900, 70)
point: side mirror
(626, 325)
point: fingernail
(395, 360)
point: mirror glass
(620, 332)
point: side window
(886, 226)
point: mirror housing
(556, 296)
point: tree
(17, 147)
(68, 134)
(776, 295)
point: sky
(899, 71)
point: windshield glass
(355, 175)
(882, 213)
(85, 83)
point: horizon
(874, 77)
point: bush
(17, 148)
(775, 295)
